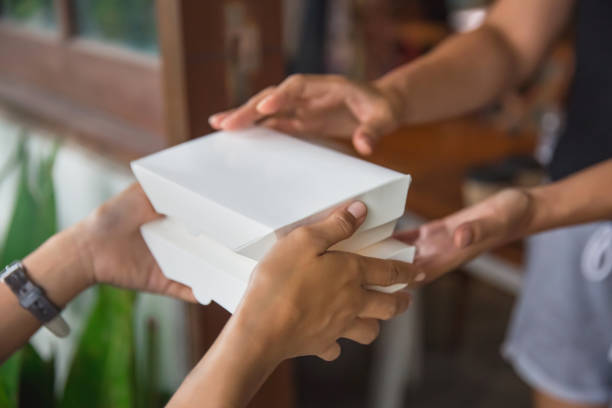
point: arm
(583, 197)
(470, 70)
(56, 267)
(462, 74)
(300, 300)
(106, 247)
(445, 244)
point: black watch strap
(32, 298)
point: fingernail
(420, 277)
(464, 238)
(357, 209)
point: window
(97, 70)
(126, 23)
(106, 89)
(35, 13)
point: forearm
(230, 373)
(471, 70)
(56, 267)
(583, 197)
(464, 73)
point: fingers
(179, 291)
(332, 353)
(294, 90)
(367, 135)
(474, 232)
(216, 119)
(292, 126)
(339, 225)
(385, 272)
(408, 236)
(244, 116)
(285, 97)
(376, 116)
(363, 331)
(384, 306)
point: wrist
(57, 266)
(544, 208)
(264, 339)
(393, 91)
(232, 370)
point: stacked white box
(230, 195)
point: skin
(464, 73)
(444, 244)
(300, 300)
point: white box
(248, 188)
(229, 196)
(214, 272)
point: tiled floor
(465, 326)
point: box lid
(246, 188)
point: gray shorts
(560, 336)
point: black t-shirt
(587, 137)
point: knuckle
(302, 234)
(394, 273)
(255, 98)
(353, 265)
(331, 353)
(296, 79)
(345, 222)
(389, 310)
(373, 332)
(337, 79)
(382, 112)
(390, 274)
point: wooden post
(65, 18)
(202, 60)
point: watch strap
(32, 298)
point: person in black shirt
(561, 335)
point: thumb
(338, 226)
(474, 232)
(374, 115)
(366, 136)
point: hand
(303, 297)
(319, 105)
(443, 245)
(112, 247)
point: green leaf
(102, 374)
(34, 217)
(147, 368)
(9, 381)
(36, 380)
(33, 221)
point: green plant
(102, 373)
(33, 221)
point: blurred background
(88, 85)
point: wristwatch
(32, 298)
